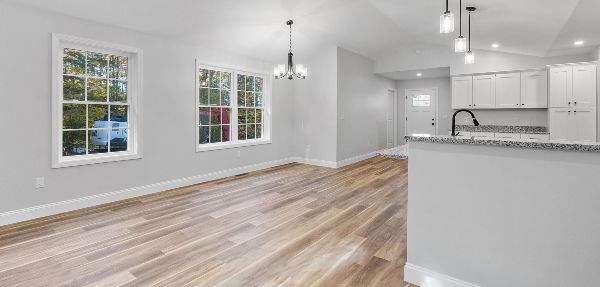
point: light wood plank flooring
(293, 225)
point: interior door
(421, 111)
(392, 106)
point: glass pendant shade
(279, 71)
(460, 44)
(447, 23)
(301, 71)
(469, 58)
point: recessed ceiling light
(495, 45)
(419, 74)
(578, 43)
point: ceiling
(430, 73)
(369, 27)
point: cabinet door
(584, 121)
(584, 86)
(561, 87)
(484, 92)
(462, 92)
(559, 124)
(534, 89)
(508, 91)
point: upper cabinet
(534, 89)
(484, 92)
(462, 92)
(508, 91)
(573, 86)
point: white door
(585, 124)
(561, 87)
(584, 86)
(508, 91)
(392, 106)
(462, 92)
(560, 124)
(484, 92)
(534, 89)
(421, 111)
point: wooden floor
(293, 225)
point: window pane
(98, 141)
(97, 116)
(259, 118)
(74, 62)
(203, 78)
(241, 116)
(258, 99)
(73, 88)
(215, 134)
(215, 79)
(118, 91)
(118, 67)
(74, 116)
(118, 139)
(204, 96)
(249, 83)
(251, 131)
(215, 116)
(97, 65)
(226, 116)
(421, 101)
(249, 99)
(242, 132)
(204, 113)
(241, 82)
(225, 81)
(96, 90)
(204, 131)
(73, 143)
(251, 116)
(118, 115)
(226, 132)
(258, 85)
(215, 97)
(241, 99)
(225, 98)
(258, 131)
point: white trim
(428, 278)
(317, 162)
(357, 158)
(395, 118)
(228, 145)
(437, 105)
(134, 100)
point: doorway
(421, 111)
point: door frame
(437, 107)
(395, 118)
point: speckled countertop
(503, 129)
(514, 143)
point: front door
(421, 111)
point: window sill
(220, 146)
(87, 160)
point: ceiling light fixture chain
(289, 71)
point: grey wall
(499, 217)
(363, 101)
(168, 107)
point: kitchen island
(491, 212)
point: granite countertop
(503, 129)
(515, 143)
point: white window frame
(234, 142)
(134, 93)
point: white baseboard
(24, 214)
(356, 159)
(424, 277)
(317, 162)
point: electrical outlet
(40, 182)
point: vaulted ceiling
(369, 27)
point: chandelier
(289, 71)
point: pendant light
(447, 21)
(469, 56)
(460, 43)
(281, 71)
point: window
(421, 101)
(95, 102)
(232, 108)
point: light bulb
(469, 58)
(460, 44)
(279, 71)
(301, 71)
(447, 23)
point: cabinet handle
(522, 104)
(575, 103)
(517, 105)
(569, 103)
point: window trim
(267, 92)
(135, 84)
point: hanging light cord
(447, 7)
(290, 38)
(469, 31)
(460, 18)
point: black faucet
(475, 122)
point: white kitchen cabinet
(572, 124)
(559, 124)
(462, 92)
(535, 137)
(484, 92)
(561, 87)
(584, 86)
(507, 136)
(585, 124)
(534, 89)
(508, 91)
(482, 135)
